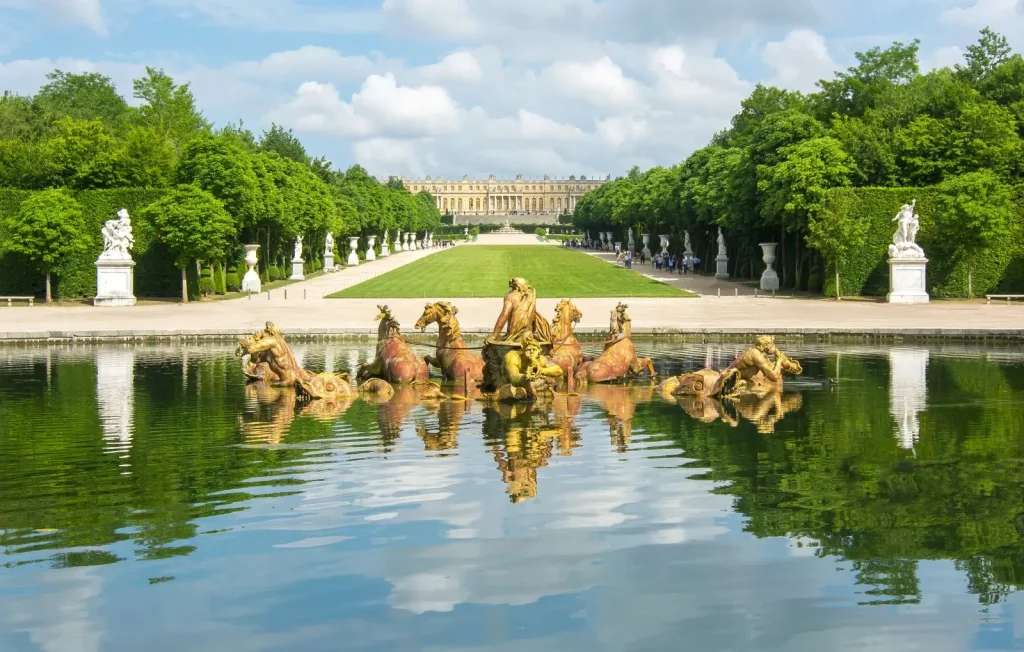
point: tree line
(880, 123)
(224, 186)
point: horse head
(259, 341)
(441, 312)
(567, 313)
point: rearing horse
(395, 362)
(619, 359)
(271, 359)
(565, 350)
(450, 353)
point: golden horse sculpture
(450, 353)
(619, 359)
(566, 351)
(267, 357)
(753, 372)
(395, 362)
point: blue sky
(453, 87)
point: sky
(477, 87)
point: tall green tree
(82, 96)
(194, 225)
(168, 107)
(283, 142)
(48, 229)
(974, 212)
(836, 236)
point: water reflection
(422, 519)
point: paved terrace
(708, 314)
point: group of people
(685, 264)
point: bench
(989, 297)
(31, 300)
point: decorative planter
(664, 244)
(353, 257)
(769, 279)
(251, 280)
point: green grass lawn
(484, 271)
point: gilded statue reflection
(763, 411)
(522, 438)
(271, 410)
(619, 404)
(449, 419)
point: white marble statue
(631, 244)
(686, 243)
(298, 248)
(329, 245)
(117, 237)
(904, 243)
(721, 243)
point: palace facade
(504, 197)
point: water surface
(149, 500)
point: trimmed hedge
(155, 274)
(1001, 270)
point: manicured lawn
(484, 271)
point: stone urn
(769, 279)
(664, 244)
(251, 280)
(646, 238)
(353, 257)
(371, 241)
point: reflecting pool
(149, 500)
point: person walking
(629, 259)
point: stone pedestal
(115, 283)
(646, 237)
(769, 279)
(398, 242)
(907, 280)
(371, 241)
(384, 251)
(297, 273)
(721, 267)
(329, 262)
(251, 280)
(353, 257)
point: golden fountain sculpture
(396, 362)
(619, 359)
(753, 372)
(266, 357)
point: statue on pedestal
(115, 269)
(298, 249)
(329, 245)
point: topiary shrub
(541, 232)
(218, 280)
(274, 273)
(232, 282)
(240, 270)
(206, 285)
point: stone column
(353, 257)
(251, 280)
(769, 279)
(908, 369)
(371, 240)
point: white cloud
(622, 129)
(600, 83)
(85, 12)
(799, 60)
(538, 127)
(381, 107)
(462, 66)
(942, 57)
(444, 18)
